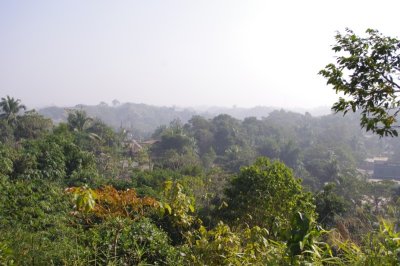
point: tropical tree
(330, 206)
(10, 108)
(32, 125)
(367, 72)
(266, 194)
(78, 120)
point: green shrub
(125, 242)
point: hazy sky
(183, 53)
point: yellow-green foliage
(381, 247)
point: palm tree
(78, 120)
(10, 108)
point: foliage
(78, 120)
(226, 133)
(6, 160)
(152, 183)
(254, 246)
(219, 246)
(304, 242)
(380, 248)
(32, 126)
(83, 197)
(222, 246)
(170, 214)
(5, 255)
(6, 132)
(35, 223)
(10, 108)
(367, 73)
(177, 212)
(121, 241)
(329, 206)
(266, 194)
(176, 149)
(34, 204)
(108, 202)
(53, 157)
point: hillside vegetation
(278, 190)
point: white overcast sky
(183, 53)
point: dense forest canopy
(278, 189)
(283, 189)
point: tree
(115, 102)
(32, 125)
(10, 108)
(121, 241)
(329, 205)
(78, 120)
(226, 130)
(201, 129)
(176, 149)
(367, 71)
(266, 194)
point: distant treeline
(143, 119)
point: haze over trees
(78, 193)
(284, 189)
(142, 119)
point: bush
(125, 242)
(266, 194)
